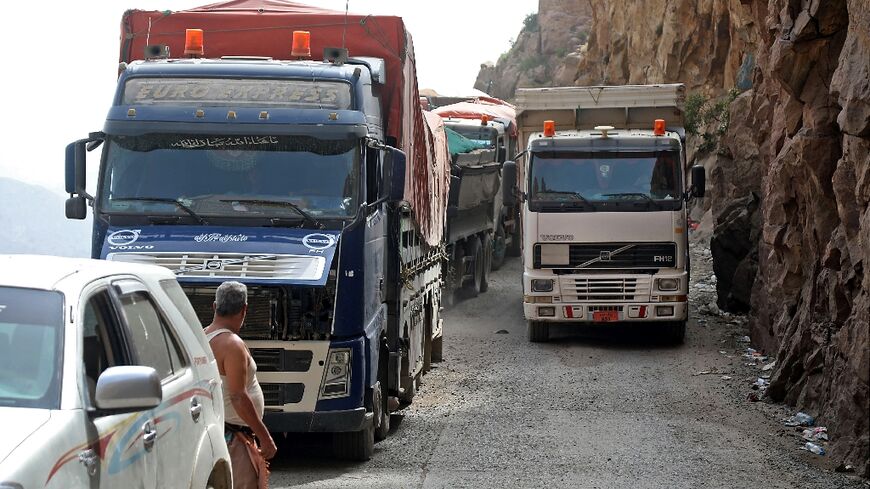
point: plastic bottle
(812, 447)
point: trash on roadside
(760, 384)
(844, 467)
(769, 366)
(502, 331)
(812, 447)
(799, 419)
(754, 355)
(744, 339)
(753, 397)
(726, 377)
(706, 372)
(819, 433)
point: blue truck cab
(276, 174)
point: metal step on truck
(603, 196)
(283, 146)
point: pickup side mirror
(128, 389)
(699, 181)
(393, 176)
(509, 183)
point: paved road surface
(606, 408)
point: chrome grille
(276, 395)
(606, 289)
(231, 265)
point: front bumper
(585, 312)
(318, 421)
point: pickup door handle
(149, 435)
(195, 409)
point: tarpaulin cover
(492, 107)
(439, 156)
(461, 144)
(265, 28)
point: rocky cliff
(543, 50)
(788, 160)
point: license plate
(605, 316)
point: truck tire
(514, 248)
(486, 250)
(539, 332)
(499, 247)
(381, 410)
(675, 332)
(475, 249)
(438, 349)
(355, 445)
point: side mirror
(509, 183)
(75, 166)
(699, 181)
(76, 207)
(393, 177)
(128, 389)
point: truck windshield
(584, 177)
(235, 176)
(482, 136)
(31, 339)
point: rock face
(543, 50)
(810, 301)
(789, 179)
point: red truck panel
(265, 28)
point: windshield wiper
(573, 194)
(282, 203)
(177, 203)
(636, 194)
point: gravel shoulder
(600, 407)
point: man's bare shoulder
(228, 342)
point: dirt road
(609, 407)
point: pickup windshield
(233, 176)
(584, 178)
(31, 353)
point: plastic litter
(800, 419)
(744, 339)
(844, 467)
(819, 433)
(726, 377)
(812, 447)
(769, 366)
(761, 384)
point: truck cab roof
(616, 140)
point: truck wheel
(438, 349)
(539, 332)
(486, 250)
(675, 332)
(514, 248)
(499, 247)
(474, 249)
(355, 445)
(381, 412)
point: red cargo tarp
(439, 156)
(265, 28)
(492, 107)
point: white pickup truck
(603, 199)
(106, 379)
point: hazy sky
(60, 64)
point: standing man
(243, 398)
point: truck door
(177, 419)
(119, 451)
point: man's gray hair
(230, 298)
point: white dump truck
(603, 197)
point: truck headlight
(336, 376)
(668, 283)
(542, 285)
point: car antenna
(344, 32)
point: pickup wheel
(539, 332)
(499, 247)
(355, 445)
